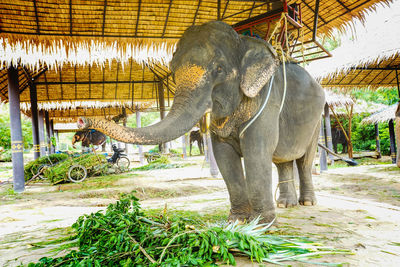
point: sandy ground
(358, 209)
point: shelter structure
(373, 61)
(60, 50)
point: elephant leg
(230, 166)
(304, 165)
(190, 150)
(287, 190)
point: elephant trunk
(189, 106)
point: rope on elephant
(277, 187)
(261, 109)
(284, 81)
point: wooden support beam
(343, 5)
(116, 84)
(243, 11)
(70, 17)
(398, 87)
(166, 19)
(378, 143)
(35, 121)
(36, 17)
(323, 164)
(316, 20)
(41, 133)
(94, 82)
(197, 11)
(48, 135)
(139, 125)
(219, 10)
(104, 17)
(328, 130)
(392, 142)
(138, 16)
(17, 144)
(225, 8)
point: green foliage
(59, 172)
(6, 156)
(387, 96)
(31, 167)
(124, 236)
(5, 134)
(161, 163)
(147, 119)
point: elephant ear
(258, 64)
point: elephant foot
(240, 217)
(286, 201)
(265, 217)
(308, 199)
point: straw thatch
(334, 99)
(369, 62)
(37, 32)
(384, 115)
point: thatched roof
(371, 60)
(334, 99)
(384, 115)
(87, 32)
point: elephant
(239, 81)
(398, 134)
(89, 136)
(198, 137)
(338, 137)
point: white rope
(284, 82)
(261, 109)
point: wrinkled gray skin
(216, 69)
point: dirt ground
(358, 209)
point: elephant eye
(219, 69)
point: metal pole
(328, 131)
(392, 142)
(35, 121)
(139, 125)
(323, 166)
(378, 142)
(41, 133)
(17, 145)
(47, 120)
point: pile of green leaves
(31, 167)
(92, 162)
(124, 236)
(6, 155)
(161, 163)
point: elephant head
(214, 70)
(78, 136)
(398, 134)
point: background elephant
(239, 80)
(89, 136)
(398, 134)
(338, 137)
(196, 136)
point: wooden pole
(161, 100)
(52, 147)
(392, 142)
(349, 142)
(41, 133)
(47, 121)
(184, 153)
(138, 125)
(323, 165)
(328, 131)
(35, 121)
(378, 142)
(17, 145)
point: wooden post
(47, 121)
(328, 131)
(392, 142)
(378, 142)
(17, 145)
(52, 147)
(57, 140)
(41, 133)
(161, 100)
(139, 125)
(323, 165)
(35, 121)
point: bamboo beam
(17, 145)
(315, 19)
(35, 121)
(392, 142)
(138, 16)
(41, 133)
(93, 82)
(166, 19)
(197, 11)
(70, 17)
(378, 143)
(104, 17)
(36, 17)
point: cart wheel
(41, 170)
(77, 173)
(123, 163)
